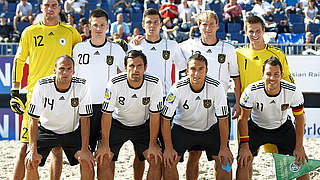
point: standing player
(42, 43)
(131, 111)
(264, 118)
(59, 102)
(96, 60)
(222, 64)
(252, 57)
(161, 53)
(201, 118)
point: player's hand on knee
(170, 157)
(225, 155)
(16, 103)
(154, 152)
(301, 155)
(244, 157)
(85, 156)
(33, 159)
(102, 153)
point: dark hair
(98, 13)
(150, 11)
(272, 61)
(135, 54)
(64, 57)
(253, 19)
(199, 57)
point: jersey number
(121, 100)
(38, 41)
(259, 106)
(84, 58)
(185, 105)
(48, 102)
(25, 132)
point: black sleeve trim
(86, 115)
(166, 116)
(106, 111)
(235, 76)
(245, 107)
(155, 111)
(223, 116)
(34, 116)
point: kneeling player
(264, 118)
(131, 111)
(57, 104)
(201, 120)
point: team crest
(74, 102)
(145, 100)
(207, 103)
(62, 41)
(166, 54)
(110, 60)
(294, 167)
(107, 94)
(170, 99)
(221, 58)
(284, 107)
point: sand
(264, 167)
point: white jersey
(196, 111)
(131, 106)
(270, 112)
(97, 64)
(60, 111)
(221, 57)
(157, 53)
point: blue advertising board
(5, 74)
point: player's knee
(86, 169)
(105, 163)
(153, 164)
(57, 152)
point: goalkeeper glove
(16, 103)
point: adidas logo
(198, 98)
(61, 98)
(153, 49)
(134, 96)
(96, 53)
(51, 34)
(209, 51)
(272, 102)
(256, 58)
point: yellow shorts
(24, 136)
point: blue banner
(5, 74)
(9, 124)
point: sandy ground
(263, 164)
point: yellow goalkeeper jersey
(43, 45)
(251, 61)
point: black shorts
(184, 139)
(138, 135)
(70, 143)
(284, 137)
(95, 127)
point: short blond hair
(207, 15)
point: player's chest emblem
(207, 103)
(62, 41)
(145, 100)
(284, 107)
(165, 54)
(110, 60)
(221, 58)
(74, 102)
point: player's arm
(84, 155)
(246, 102)
(171, 103)
(33, 159)
(237, 92)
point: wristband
(244, 139)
